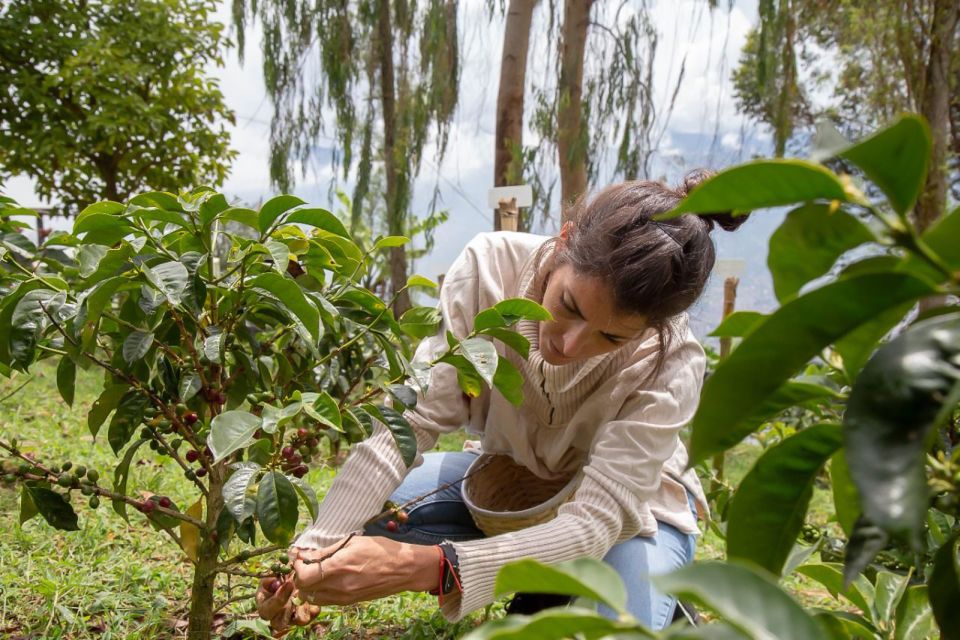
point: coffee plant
(236, 346)
(866, 347)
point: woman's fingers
(269, 605)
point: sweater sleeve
(375, 467)
(621, 474)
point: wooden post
(729, 304)
(509, 215)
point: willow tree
(508, 158)
(385, 72)
(594, 110)
(882, 58)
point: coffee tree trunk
(205, 575)
(507, 167)
(571, 136)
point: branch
(227, 603)
(243, 556)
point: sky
(704, 130)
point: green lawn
(112, 579)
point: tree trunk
(398, 255)
(935, 107)
(571, 137)
(204, 576)
(507, 167)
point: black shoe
(686, 611)
(530, 603)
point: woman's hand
(368, 567)
(279, 609)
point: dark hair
(656, 268)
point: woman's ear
(564, 234)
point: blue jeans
(444, 516)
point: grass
(114, 579)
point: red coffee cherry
(193, 455)
(392, 526)
(165, 502)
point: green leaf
(213, 346)
(467, 377)
(896, 159)
(247, 217)
(159, 199)
(324, 409)
(55, 510)
(482, 355)
(308, 495)
(273, 208)
(889, 589)
(102, 406)
(761, 184)
(279, 253)
(169, 278)
(106, 207)
(277, 508)
(914, 618)
(557, 623)
(796, 332)
(846, 500)
(770, 505)
(237, 628)
(584, 577)
(944, 588)
(292, 301)
(235, 498)
(942, 238)
(420, 322)
(231, 431)
(510, 338)
(402, 432)
(136, 345)
(738, 324)
(488, 319)
(860, 592)
(856, 347)
(808, 243)
(420, 281)
(894, 405)
(390, 241)
(89, 257)
(514, 309)
(27, 508)
(67, 379)
(745, 598)
(319, 218)
(126, 419)
(509, 382)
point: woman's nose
(574, 340)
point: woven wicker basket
(504, 496)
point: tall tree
(387, 69)
(508, 160)
(882, 58)
(594, 112)
(571, 134)
(103, 98)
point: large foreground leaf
(899, 396)
(744, 598)
(945, 588)
(786, 341)
(277, 508)
(585, 577)
(770, 506)
(761, 184)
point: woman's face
(585, 322)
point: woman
(608, 385)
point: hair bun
(724, 219)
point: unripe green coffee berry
(66, 466)
(181, 407)
(65, 481)
(93, 475)
(189, 474)
(86, 490)
(80, 471)
(94, 502)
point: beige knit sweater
(600, 414)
